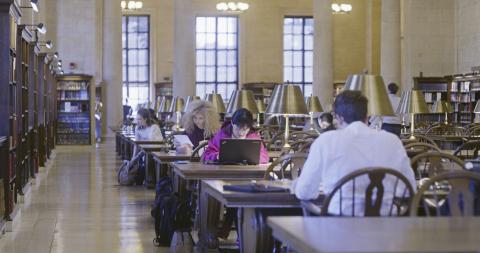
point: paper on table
(180, 140)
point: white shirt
(335, 154)
(151, 133)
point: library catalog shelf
(74, 112)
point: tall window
(216, 55)
(136, 59)
(298, 52)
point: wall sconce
(341, 8)
(34, 5)
(232, 6)
(48, 44)
(39, 28)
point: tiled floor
(77, 206)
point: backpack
(127, 174)
(169, 212)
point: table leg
(253, 232)
(149, 171)
(209, 217)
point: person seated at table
(201, 122)
(352, 146)
(325, 122)
(146, 130)
(240, 127)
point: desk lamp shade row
(373, 88)
(188, 101)
(412, 101)
(313, 104)
(217, 102)
(242, 99)
(287, 100)
(176, 105)
(441, 107)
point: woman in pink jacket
(241, 127)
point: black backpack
(169, 212)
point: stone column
(112, 62)
(323, 52)
(184, 49)
(390, 58)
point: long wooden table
(253, 209)
(377, 234)
(209, 208)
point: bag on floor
(182, 242)
(163, 212)
(127, 174)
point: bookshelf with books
(74, 110)
(464, 93)
(9, 107)
(42, 68)
(261, 90)
(434, 89)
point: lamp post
(442, 107)
(261, 109)
(287, 100)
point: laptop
(240, 151)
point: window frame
(216, 50)
(303, 51)
(136, 84)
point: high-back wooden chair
(366, 192)
(290, 166)
(418, 138)
(449, 194)
(468, 150)
(443, 129)
(417, 148)
(432, 163)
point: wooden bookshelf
(74, 110)
(10, 107)
(434, 89)
(261, 90)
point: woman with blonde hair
(201, 121)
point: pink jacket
(213, 148)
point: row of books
(72, 85)
(72, 95)
(463, 97)
(430, 97)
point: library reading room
(251, 126)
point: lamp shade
(313, 104)
(242, 99)
(412, 101)
(441, 107)
(164, 104)
(477, 107)
(176, 105)
(373, 88)
(287, 99)
(217, 102)
(260, 106)
(189, 100)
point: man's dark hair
(351, 105)
(392, 88)
(242, 118)
(327, 117)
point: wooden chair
(417, 148)
(432, 163)
(419, 138)
(449, 194)
(468, 150)
(290, 167)
(302, 146)
(195, 157)
(474, 132)
(443, 129)
(362, 193)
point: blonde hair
(206, 109)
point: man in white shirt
(353, 146)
